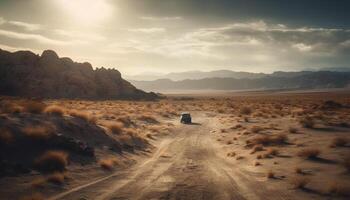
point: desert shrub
(116, 128)
(231, 154)
(257, 147)
(269, 140)
(300, 182)
(52, 161)
(307, 122)
(339, 189)
(339, 142)
(270, 174)
(38, 183)
(346, 162)
(10, 107)
(35, 107)
(256, 163)
(256, 129)
(56, 178)
(38, 132)
(126, 121)
(245, 110)
(298, 170)
(272, 151)
(108, 163)
(6, 137)
(83, 115)
(292, 130)
(239, 157)
(35, 196)
(148, 118)
(54, 110)
(309, 153)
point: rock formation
(26, 74)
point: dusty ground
(219, 156)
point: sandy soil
(192, 164)
(213, 158)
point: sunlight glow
(86, 12)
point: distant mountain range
(195, 75)
(26, 74)
(252, 81)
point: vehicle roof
(185, 113)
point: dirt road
(187, 165)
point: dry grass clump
(54, 110)
(292, 130)
(269, 140)
(256, 129)
(35, 196)
(270, 174)
(298, 170)
(83, 115)
(108, 163)
(309, 153)
(272, 151)
(35, 107)
(148, 118)
(5, 137)
(339, 189)
(245, 111)
(257, 147)
(38, 132)
(116, 128)
(10, 107)
(56, 178)
(307, 122)
(300, 182)
(346, 163)
(256, 163)
(339, 142)
(52, 161)
(38, 183)
(231, 154)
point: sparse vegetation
(42, 132)
(339, 142)
(35, 196)
(270, 174)
(55, 110)
(83, 115)
(56, 178)
(300, 182)
(307, 122)
(116, 128)
(35, 107)
(339, 189)
(309, 153)
(245, 111)
(52, 161)
(108, 163)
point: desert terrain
(248, 146)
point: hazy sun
(86, 11)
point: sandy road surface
(187, 165)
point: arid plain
(248, 146)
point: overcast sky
(160, 36)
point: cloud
(12, 48)
(79, 35)
(26, 26)
(36, 37)
(2, 20)
(161, 18)
(148, 30)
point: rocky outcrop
(26, 74)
